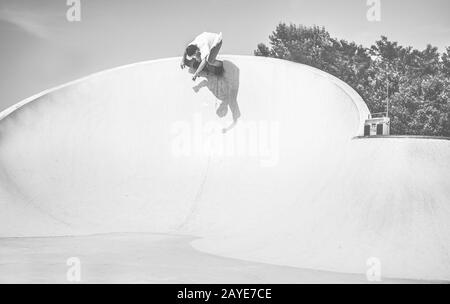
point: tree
(417, 83)
(446, 62)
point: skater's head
(192, 50)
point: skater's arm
(183, 60)
(200, 68)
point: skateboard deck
(215, 68)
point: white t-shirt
(205, 42)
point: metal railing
(378, 115)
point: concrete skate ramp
(144, 148)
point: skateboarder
(203, 49)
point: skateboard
(215, 68)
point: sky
(40, 48)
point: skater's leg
(214, 52)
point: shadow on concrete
(225, 88)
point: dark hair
(191, 49)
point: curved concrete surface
(143, 148)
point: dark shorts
(214, 52)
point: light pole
(387, 95)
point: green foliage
(416, 83)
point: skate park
(263, 166)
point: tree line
(416, 82)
